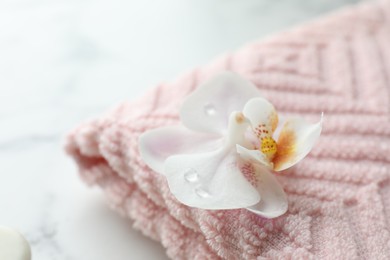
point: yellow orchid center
(268, 146)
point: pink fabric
(339, 196)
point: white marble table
(64, 61)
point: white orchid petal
(158, 144)
(295, 141)
(273, 201)
(253, 155)
(259, 111)
(208, 108)
(210, 180)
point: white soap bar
(13, 246)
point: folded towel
(339, 196)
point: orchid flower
(230, 141)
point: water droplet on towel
(191, 175)
(202, 193)
(210, 109)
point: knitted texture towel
(339, 196)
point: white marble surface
(62, 62)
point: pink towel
(339, 196)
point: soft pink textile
(339, 196)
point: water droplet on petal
(210, 110)
(191, 175)
(202, 193)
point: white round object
(13, 246)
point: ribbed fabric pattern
(339, 196)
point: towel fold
(339, 197)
